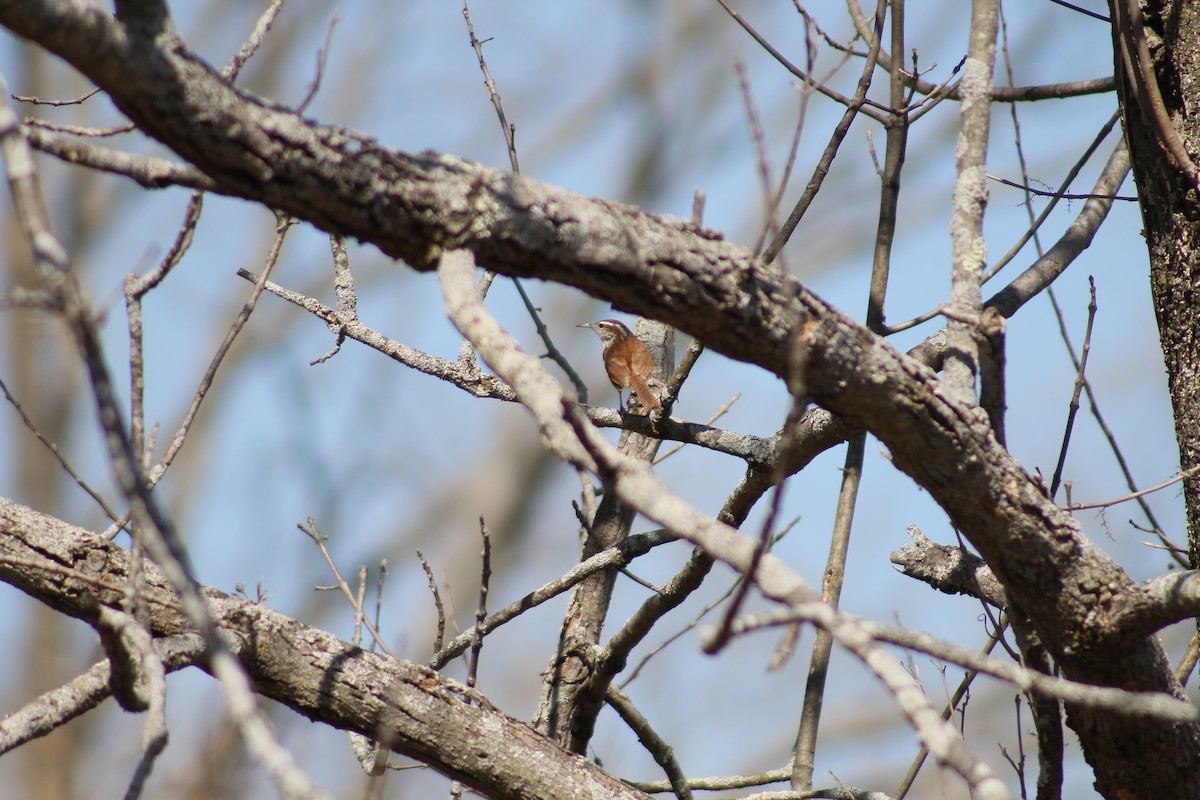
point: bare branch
(146, 171)
(617, 556)
(658, 747)
(44, 714)
(1155, 705)
(422, 713)
(1187, 473)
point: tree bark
(412, 709)
(1169, 202)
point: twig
(254, 41)
(805, 749)
(467, 377)
(760, 153)
(960, 692)
(1154, 705)
(1081, 10)
(147, 171)
(681, 373)
(309, 528)
(805, 77)
(347, 297)
(721, 411)
(371, 756)
(936, 95)
(855, 106)
(623, 553)
(1018, 764)
(552, 351)
(380, 581)
(136, 288)
(437, 602)
(1187, 473)
(1075, 239)
(806, 92)
(282, 225)
(322, 58)
(53, 448)
(721, 638)
(1073, 407)
(359, 598)
(632, 674)
(37, 101)
(508, 130)
(662, 753)
(1060, 195)
(79, 130)
(1177, 553)
(485, 577)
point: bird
(627, 362)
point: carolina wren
(627, 362)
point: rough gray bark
(416, 207)
(426, 716)
(1157, 53)
(1169, 201)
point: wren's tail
(646, 398)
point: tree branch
(417, 711)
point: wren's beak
(591, 325)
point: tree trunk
(1158, 61)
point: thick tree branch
(417, 711)
(948, 569)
